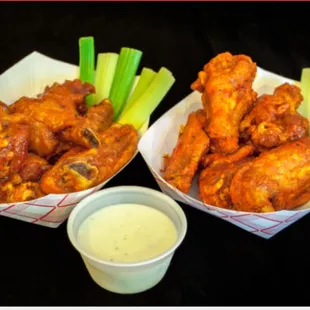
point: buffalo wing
(58, 108)
(277, 179)
(227, 95)
(87, 128)
(79, 169)
(274, 119)
(192, 144)
(214, 181)
(14, 140)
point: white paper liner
(29, 77)
(161, 138)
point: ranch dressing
(127, 233)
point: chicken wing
(55, 110)
(227, 95)
(79, 169)
(192, 144)
(274, 119)
(10, 192)
(278, 179)
(14, 140)
(71, 94)
(87, 128)
(214, 181)
(220, 159)
(33, 168)
(43, 141)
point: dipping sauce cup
(127, 277)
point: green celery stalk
(106, 65)
(134, 84)
(144, 106)
(87, 63)
(146, 77)
(126, 68)
(304, 108)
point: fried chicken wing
(79, 169)
(55, 110)
(214, 183)
(192, 144)
(71, 94)
(33, 168)
(14, 140)
(43, 141)
(227, 95)
(274, 119)
(10, 192)
(220, 159)
(278, 179)
(86, 130)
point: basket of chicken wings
(66, 131)
(238, 147)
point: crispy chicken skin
(4, 110)
(220, 159)
(43, 141)
(278, 179)
(214, 181)
(14, 140)
(227, 95)
(71, 94)
(79, 169)
(274, 119)
(33, 168)
(192, 144)
(49, 111)
(10, 192)
(58, 108)
(87, 128)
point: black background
(218, 263)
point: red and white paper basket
(29, 77)
(161, 138)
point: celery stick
(146, 77)
(106, 65)
(304, 108)
(144, 106)
(135, 83)
(126, 68)
(87, 63)
(87, 59)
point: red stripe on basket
(254, 229)
(37, 205)
(291, 217)
(62, 200)
(8, 208)
(43, 216)
(68, 205)
(224, 215)
(269, 233)
(266, 218)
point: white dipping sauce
(127, 233)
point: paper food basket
(29, 77)
(161, 138)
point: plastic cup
(127, 278)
